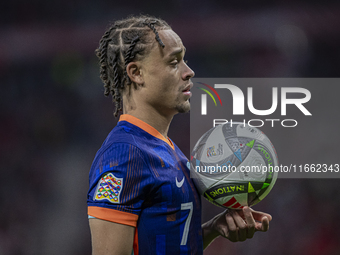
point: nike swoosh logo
(179, 184)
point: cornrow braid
(151, 25)
(125, 41)
(114, 89)
(114, 66)
(102, 55)
(117, 100)
(128, 58)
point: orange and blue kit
(140, 178)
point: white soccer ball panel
(247, 131)
(215, 147)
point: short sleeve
(118, 183)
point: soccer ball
(233, 165)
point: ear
(134, 71)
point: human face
(166, 76)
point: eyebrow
(177, 51)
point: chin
(183, 108)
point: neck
(152, 117)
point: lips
(187, 88)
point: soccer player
(141, 197)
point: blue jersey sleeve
(118, 184)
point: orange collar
(146, 127)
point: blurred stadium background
(54, 116)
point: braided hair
(124, 41)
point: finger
(259, 215)
(263, 226)
(232, 229)
(221, 225)
(241, 226)
(250, 221)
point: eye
(174, 63)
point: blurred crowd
(54, 115)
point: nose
(188, 73)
